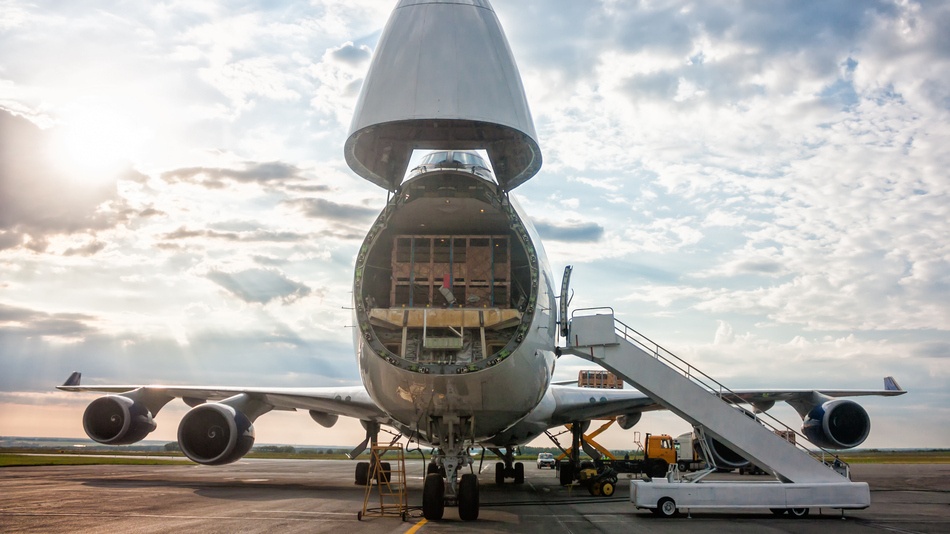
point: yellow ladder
(390, 482)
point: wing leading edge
(582, 404)
(346, 401)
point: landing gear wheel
(433, 497)
(798, 512)
(666, 507)
(499, 473)
(468, 497)
(362, 473)
(432, 468)
(387, 469)
(566, 473)
(607, 489)
(778, 511)
(519, 473)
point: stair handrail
(720, 390)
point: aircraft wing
(351, 401)
(583, 404)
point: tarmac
(274, 496)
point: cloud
(351, 54)
(38, 200)
(215, 178)
(580, 232)
(31, 323)
(321, 208)
(260, 285)
(256, 235)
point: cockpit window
(459, 158)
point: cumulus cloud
(570, 231)
(250, 236)
(321, 208)
(260, 285)
(217, 178)
(32, 323)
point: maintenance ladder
(686, 391)
(390, 484)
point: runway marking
(413, 529)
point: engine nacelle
(214, 434)
(117, 420)
(837, 424)
(724, 457)
(627, 421)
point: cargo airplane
(454, 301)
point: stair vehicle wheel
(519, 473)
(468, 497)
(798, 512)
(362, 473)
(778, 511)
(607, 489)
(499, 473)
(666, 507)
(433, 497)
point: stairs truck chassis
(665, 498)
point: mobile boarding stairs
(802, 480)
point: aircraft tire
(566, 473)
(519, 473)
(499, 473)
(387, 473)
(433, 497)
(362, 473)
(468, 497)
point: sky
(760, 187)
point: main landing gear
(508, 468)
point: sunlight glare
(93, 144)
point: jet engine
(724, 457)
(117, 420)
(627, 421)
(837, 424)
(215, 434)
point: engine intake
(837, 424)
(117, 420)
(215, 434)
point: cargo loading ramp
(597, 336)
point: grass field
(15, 460)
(55, 457)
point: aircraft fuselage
(454, 306)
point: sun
(94, 143)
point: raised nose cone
(442, 77)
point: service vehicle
(546, 459)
